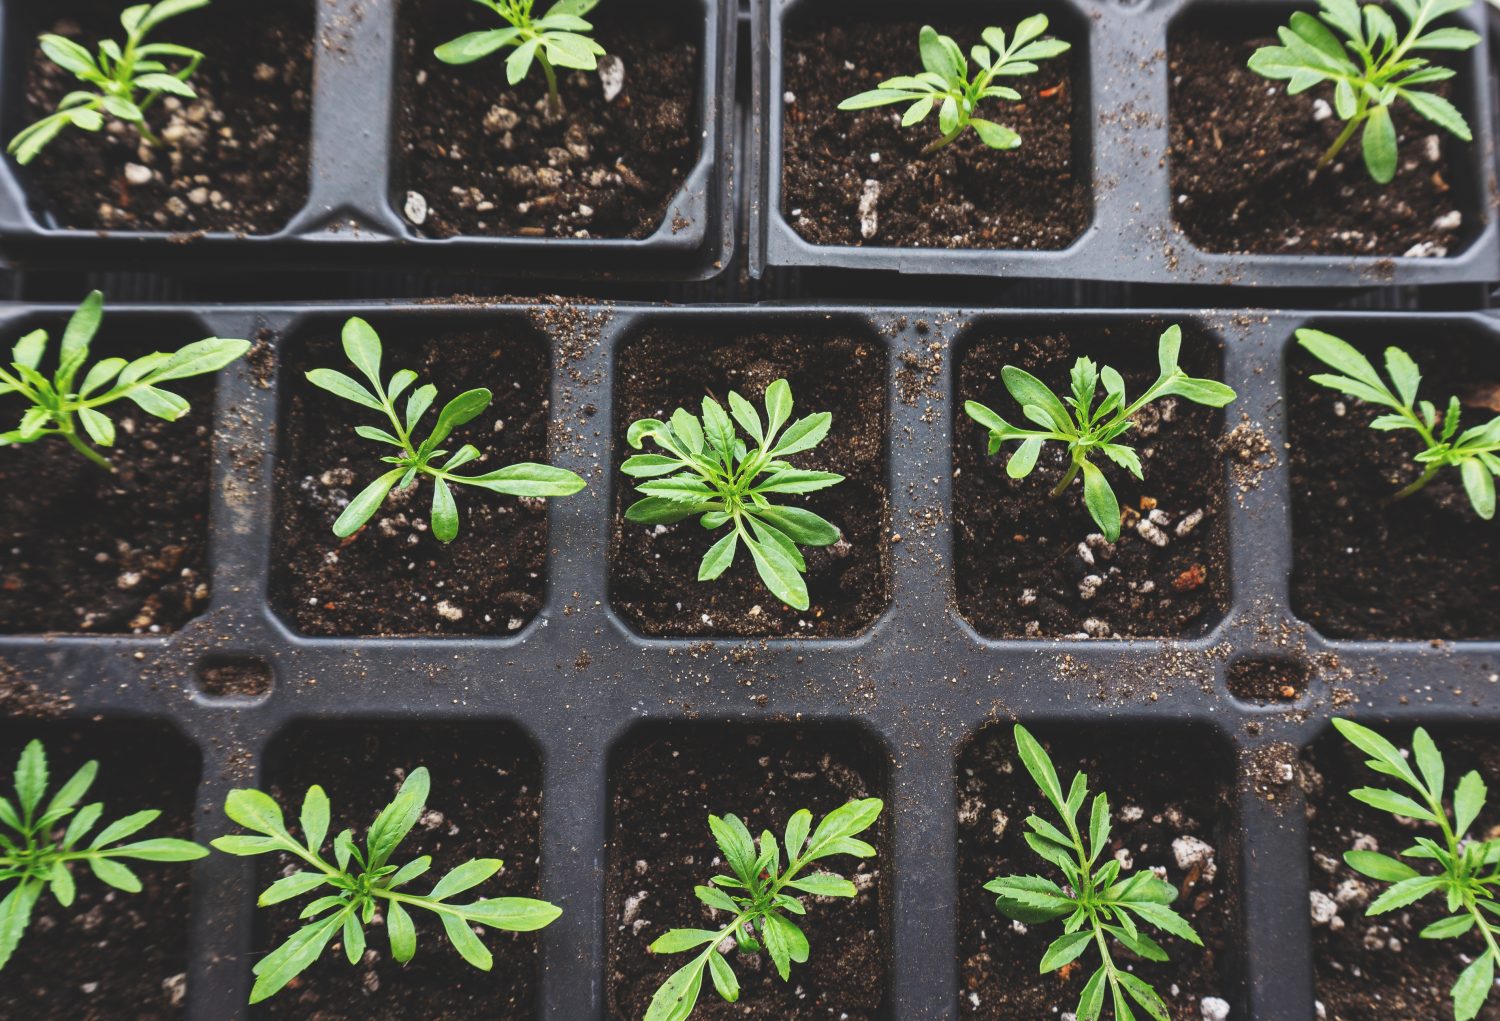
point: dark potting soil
(1243, 153)
(1164, 817)
(963, 196)
(486, 160)
(1268, 681)
(234, 159)
(654, 570)
(111, 955)
(664, 790)
(1377, 969)
(237, 677)
(485, 803)
(1027, 564)
(84, 549)
(1421, 568)
(393, 577)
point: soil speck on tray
(1031, 566)
(485, 803)
(393, 577)
(1243, 155)
(860, 178)
(85, 549)
(1164, 818)
(234, 159)
(654, 571)
(1364, 567)
(1378, 969)
(663, 791)
(111, 955)
(482, 159)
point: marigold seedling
(122, 81)
(1464, 871)
(363, 347)
(35, 856)
(756, 898)
(1474, 452)
(359, 882)
(708, 470)
(557, 39)
(1095, 905)
(58, 409)
(947, 85)
(1087, 429)
(1370, 71)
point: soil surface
(664, 791)
(485, 803)
(1243, 155)
(235, 678)
(1378, 969)
(84, 549)
(234, 159)
(1420, 568)
(111, 955)
(1161, 814)
(1031, 566)
(654, 570)
(484, 158)
(393, 577)
(966, 195)
(1268, 681)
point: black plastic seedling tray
(919, 683)
(1122, 142)
(352, 217)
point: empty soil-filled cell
(859, 178)
(1268, 681)
(85, 549)
(111, 954)
(488, 161)
(831, 366)
(1181, 822)
(234, 159)
(665, 783)
(235, 677)
(1244, 153)
(1029, 565)
(485, 803)
(1379, 968)
(393, 577)
(1368, 567)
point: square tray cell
(393, 577)
(1365, 567)
(234, 160)
(833, 364)
(665, 782)
(112, 954)
(1379, 967)
(1024, 567)
(485, 803)
(99, 552)
(1243, 152)
(1163, 818)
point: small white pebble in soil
(175, 986)
(633, 907)
(448, 611)
(1321, 110)
(1190, 851)
(1149, 531)
(416, 208)
(1323, 909)
(1432, 148)
(1214, 1009)
(869, 218)
(137, 174)
(1132, 813)
(1451, 220)
(611, 76)
(1089, 586)
(1189, 523)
